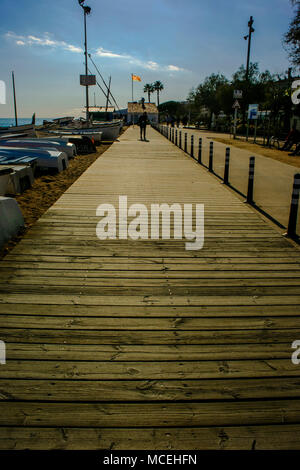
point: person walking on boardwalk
(143, 121)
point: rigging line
(103, 81)
(105, 94)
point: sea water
(6, 122)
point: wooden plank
(156, 310)
(158, 353)
(113, 370)
(141, 323)
(148, 390)
(175, 285)
(147, 337)
(142, 300)
(270, 437)
(137, 415)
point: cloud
(103, 53)
(47, 41)
(150, 64)
(174, 68)
(44, 41)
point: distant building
(101, 113)
(135, 110)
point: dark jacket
(143, 121)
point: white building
(135, 110)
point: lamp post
(251, 30)
(248, 36)
(86, 11)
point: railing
(175, 136)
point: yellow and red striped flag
(136, 78)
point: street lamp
(86, 11)
(251, 30)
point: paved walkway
(142, 344)
(273, 179)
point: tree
(206, 94)
(158, 87)
(292, 38)
(149, 88)
(172, 108)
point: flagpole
(132, 86)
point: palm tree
(158, 86)
(148, 88)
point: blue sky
(176, 42)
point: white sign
(238, 94)
(236, 104)
(253, 111)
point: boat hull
(28, 129)
(42, 144)
(45, 158)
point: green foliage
(215, 94)
(149, 88)
(158, 87)
(152, 87)
(292, 38)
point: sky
(174, 41)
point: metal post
(176, 137)
(180, 139)
(292, 225)
(192, 146)
(211, 157)
(251, 30)
(226, 168)
(185, 142)
(86, 67)
(173, 132)
(249, 199)
(15, 101)
(247, 133)
(235, 122)
(200, 150)
(255, 131)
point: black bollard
(192, 146)
(185, 142)
(200, 151)
(211, 157)
(180, 137)
(226, 168)
(173, 131)
(249, 199)
(292, 225)
(176, 137)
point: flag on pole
(136, 78)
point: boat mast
(15, 101)
(86, 11)
(107, 97)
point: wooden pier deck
(141, 344)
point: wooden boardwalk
(141, 344)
